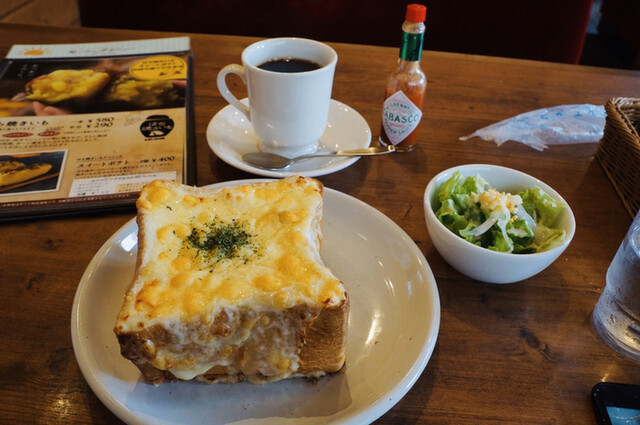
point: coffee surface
(289, 65)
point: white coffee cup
(288, 110)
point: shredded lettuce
(521, 223)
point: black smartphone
(616, 404)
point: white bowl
(481, 263)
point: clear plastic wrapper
(564, 124)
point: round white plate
(230, 135)
(393, 327)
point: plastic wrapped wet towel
(558, 125)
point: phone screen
(623, 415)
(616, 404)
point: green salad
(520, 223)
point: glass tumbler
(616, 317)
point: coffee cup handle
(226, 93)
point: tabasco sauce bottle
(402, 108)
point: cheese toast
(230, 286)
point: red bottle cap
(416, 13)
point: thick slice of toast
(229, 285)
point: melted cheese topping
(251, 248)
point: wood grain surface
(520, 353)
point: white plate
(393, 326)
(230, 135)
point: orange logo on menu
(34, 51)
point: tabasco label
(400, 116)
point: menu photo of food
(31, 172)
(83, 126)
(59, 87)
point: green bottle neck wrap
(411, 49)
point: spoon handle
(374, 150)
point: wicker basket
(619, 150)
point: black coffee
(289, 65)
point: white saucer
(230, 135)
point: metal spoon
(272, 161)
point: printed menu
(83, 127)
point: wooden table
(521, 353)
